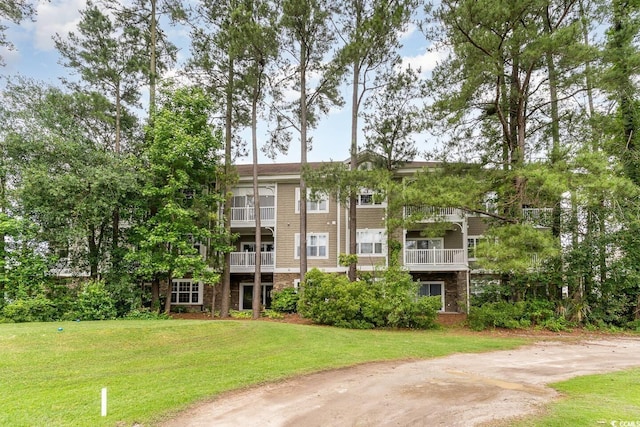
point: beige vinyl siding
(370, 218)
(476, 226)
(289, 224)
(453, 239)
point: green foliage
(346, 260)
(522, 314)
(240, 314)
(332, 299)
(179, 187)
(498, 314)
(634, 325)
(145, 314)
(94, 302)
(37, 309)
(285, 300)
(272, 314)
(515, 248)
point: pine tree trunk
(257, 279)
(152, 62)
(226, 272)
(353, 206)
(303, 160)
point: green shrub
(146, 314)
(402, 307)
(237, 314)
(94, 302)
(272, 314)
(634, 325)
(499, 314)
(517, 315)
(331, 299)
(285, 300)
(540, 311)
(38, 309)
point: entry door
(247, 295)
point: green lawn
(594, 400)
(152, 368)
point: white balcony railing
(248, 259)
(434, 257)
(431, 212)
(247, 214)
(538, 216)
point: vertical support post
(104, 402)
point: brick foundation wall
(284, 280)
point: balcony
(433, 213)
(245, 262)
(246, 217)
(435, 259)
(538, 217)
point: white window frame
(434, 282)
(296, 246)
(264, 246)
(313, 206)
(375, 237)
(471, 249)
(177, 290)
(440, 241)
(370, 195)
(263, 294)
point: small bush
(331, 299)
(146, 314)
(634, 325)
(497, 315)
(38, 309)
(94, 302)
(285, 301)
(237, 314)
(517, 315)
(271, 314)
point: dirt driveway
(458, 390)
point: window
(368, 197)
(317, 245)
(472, 246)
(423, 244)
(432, 289)
(186, 291)
(490, 202)
(251, 247)
(370, 242)
(318, 204)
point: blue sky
(36, 57)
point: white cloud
(427, 60)
(408, 31)
(57, 16)
(11, 58)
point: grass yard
(594, 400)
(153, 368)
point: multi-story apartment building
(440, 264)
